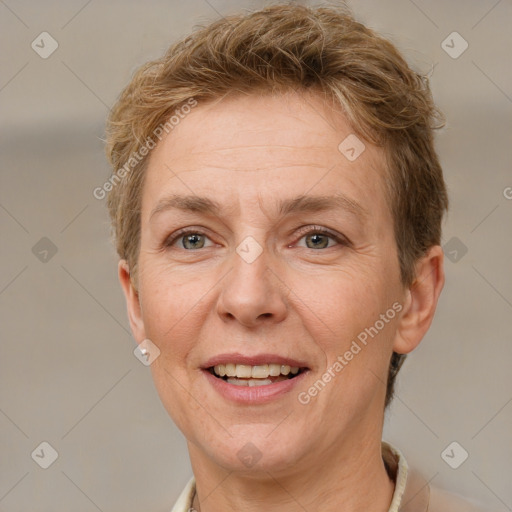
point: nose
(252, 292)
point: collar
(412, 491)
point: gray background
(68, 373)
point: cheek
(170, 297)
(340, 304)
(342, 310)
(171, 303)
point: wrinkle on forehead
(280, 139)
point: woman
(277, 203)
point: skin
(303, 297)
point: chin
(257, 449)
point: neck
(350, 477)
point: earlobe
(421, 301)
(132, 301)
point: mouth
(254, 379)
(255, 375)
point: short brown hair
(292, 47)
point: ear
(132, 302)
(421, 301)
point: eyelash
(308, 230)
(319, 230)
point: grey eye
(318, 240)
(193, 241)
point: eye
(315, 237)
(318, 238)
(187, 239)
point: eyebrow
(302, 203)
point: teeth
(259, 382)
(237, 382)
(249, 382)
(231, 370)
(260, 372)
(274, 370)
(263, 371)
(243, 371)
(220, 369)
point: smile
(258, 375)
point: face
(263, 244)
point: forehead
(264, 147)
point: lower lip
(254, 394)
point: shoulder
(414, 493)
(444, 501)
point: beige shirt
(412, 493)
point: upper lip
(256, 360)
